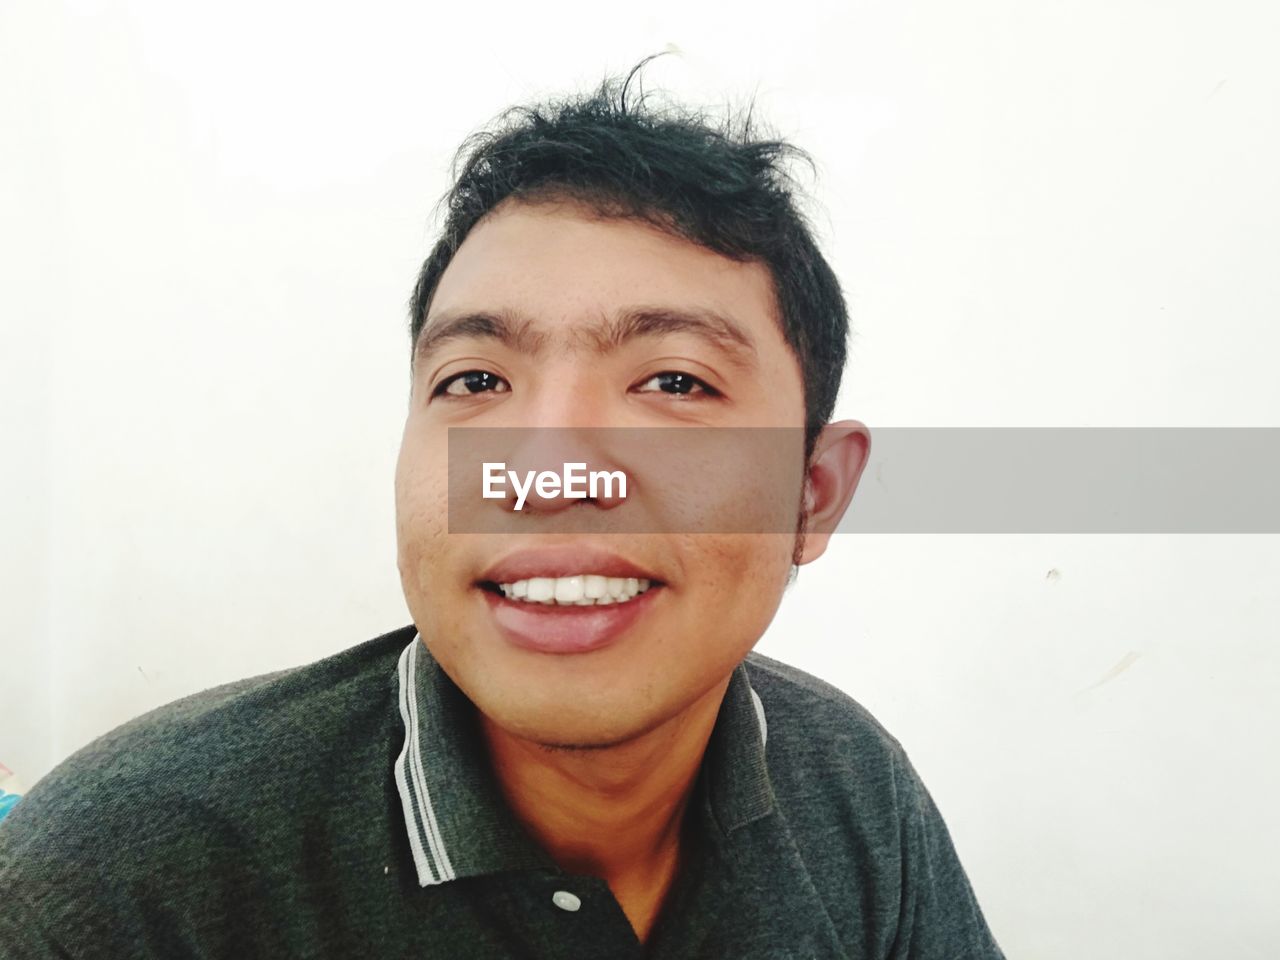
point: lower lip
(550, 628)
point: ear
(839, 456)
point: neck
(613, 812)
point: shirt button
(566, 900)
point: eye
(471, 382)
(677, 383)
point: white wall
(1045, 214)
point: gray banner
(1069, 480)
(917, 480)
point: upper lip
(564, 560)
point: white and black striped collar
(457, 821)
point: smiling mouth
(579, 590)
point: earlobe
(839, 457)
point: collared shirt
(346, 808)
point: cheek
(721, 481)
(737, 582)
(421, 498)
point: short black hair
(720, 186)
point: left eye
(471, 382)
(675, 382)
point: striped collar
(459, 824)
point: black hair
(718, 185)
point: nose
(571, 454)
(565, 419)
(569, 392)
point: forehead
(556, 261)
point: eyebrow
(508, 328)
(521, 333)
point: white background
(1044, 214)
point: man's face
(560, 279)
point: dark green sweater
(345, 809)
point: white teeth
(569, 589)
(581, 590)
(541, 589)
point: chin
(577, 735)
(552, 726)
(576, 746)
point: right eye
(471, 382)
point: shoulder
(828, 755)
(260, 719)
(204, 771)
(798, 703)
(862, 818)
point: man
(572, 751)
